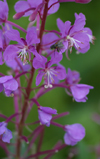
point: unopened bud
(77, 1)
(33, 16)
(18, 15)
(82, 1)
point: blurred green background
(87, 64)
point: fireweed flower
(45, 115)
(4, 41)
(74, 133)
(75, 35)
(36, 5)
(72, 77)
(8, 84)
(78, 91)
(51, 74)
(24, 48)
(5, 133)
(3, 11)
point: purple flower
(4, 41)
(74, 133)
(36, 5)
(51, 74)
(72, 77)
(79, 92)
(5, 133)
(3, 11)
(24, 48)
(8, 84)
(45, 115)
(75, 35)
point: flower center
(48, 77)
(23, 55)
(73, 42)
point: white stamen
(73, 42)
(48, 76)
(23, 55)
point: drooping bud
(82, 1)
(77, 1)
(18, 15)
(33, 15)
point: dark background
(87, 64)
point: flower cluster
(39, 55)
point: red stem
(43, 23)
(28, 88)
(40, 141)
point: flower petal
(7, 136)
(61, 72)
(34, 3)
(54, 8)
(44, 118)
(18, 7)
(68, 140)
(14, 35)
(5, 78)
(2, 127)
(37, 63)
(31, 37)
(3, 10)
(55, 58)
(80, 90)
(60, 24)
(39, 77)
(10, 53)
(48, 110)
(77, 131)
(11, 85)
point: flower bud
(33, 16)
(18, 15)
(82, 1)
(77, 1)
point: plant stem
(28, 88)
(25, 105)
(43, 23)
